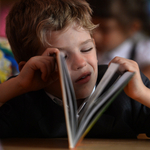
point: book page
(112, 69)
(101, 104)
(77, 128)
(69, 100)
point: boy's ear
(21, 64)
(94, 42)
(95, 47)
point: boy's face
(80, 54)
(109, 34)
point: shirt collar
(55, 99)
(60, 103)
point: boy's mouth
(84, 78)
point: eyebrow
(82, 43)
(87, 41)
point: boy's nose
(78, 62)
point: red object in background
(3, 13)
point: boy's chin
(83, 96)
(84, 92)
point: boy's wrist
(144, 96)
(20, 86)
(10, 90)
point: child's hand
(38, 72)
(135, 88)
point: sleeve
(9, 121)
(143, 53)
(12, 116)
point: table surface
(86, 144)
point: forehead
(70, 35)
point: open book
(80, 121)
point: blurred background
(124, 30)
(8, 65)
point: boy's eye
(65, 56)
(87, 50)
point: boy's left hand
(135, 88)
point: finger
(54, 77)
(42, 63)
(119, 61)
(51, 68)
(50, 52)
(48, 67)
(125, 64)
(53, 53)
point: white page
(112, 69)
(108, 95)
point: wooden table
(86, 144)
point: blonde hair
(30, 21)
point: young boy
(31, 102)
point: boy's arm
(9, 89)
(37, 73)
(135, 88)
(146, 71)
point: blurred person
(123, 31)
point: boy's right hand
(38, 72)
